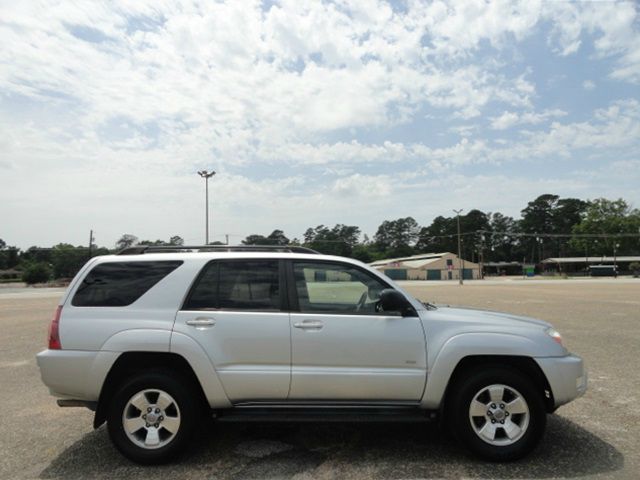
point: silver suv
(156, 339)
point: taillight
(54, 330)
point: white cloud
(510, 119)
(588, 85)
(613, 24)
(107, 109)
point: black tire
(463, 393)
(186, 403)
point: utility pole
(482, 256)
(206, 175)
(460, 265)
(226, 236)
(90, 243)
(615, 258)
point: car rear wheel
(497, 413)
(152, 417)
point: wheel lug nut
(502, 405)
(157, 410)
(148, 409)
(156, 425)
(493, 420)
(506, 414)
(489, 412)
(493, 405)
(161, 418)
(146, 425)
(144, 416)
(502, 422)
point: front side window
(118, 284)
(336, 288)
(237, 285)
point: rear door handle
(201, 322)
(309, 325)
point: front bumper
(567, 377)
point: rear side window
(119, 284)
(237, 285)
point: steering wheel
(361, 303)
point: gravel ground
(596, 436)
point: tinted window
(237, 285)
(119, 284)
(336, 288)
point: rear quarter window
(118, 284)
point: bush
(635, 268)
(36, 273)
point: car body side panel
(193, 353)
(251, 351)
(138, 340)
(470, 344)
(75, 374)
(358, 357)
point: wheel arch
(521, 364)
(131, 363)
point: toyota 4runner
(155, 339)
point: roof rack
(141, 249)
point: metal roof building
(427, 266)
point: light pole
(206, 175)
(615, 258)
(460, 268)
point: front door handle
(309, 325)
(201, 322)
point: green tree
(38, 272)
(255, 240)
(568, 213)
(9, 257)
(339, 240)
(538, 217)
(397, 237)
(440, 236)
(67, 259)
(152, 242)
(176, 240)
(125, 241)
(501, 244)
(36, 254)
(608, 218)
(277, 237)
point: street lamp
(460, 267)
(206, 175)
(615, 258)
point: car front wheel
(497, 413)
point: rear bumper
(74, 374)
(567, 377)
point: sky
(309, 112)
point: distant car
(158, 340)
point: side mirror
(393, 301)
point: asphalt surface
(596, 436)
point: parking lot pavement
(595, 436)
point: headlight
(553, 333)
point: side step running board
(347, 415)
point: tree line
(549, 226)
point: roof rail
(141, 249)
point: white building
(427, 266)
